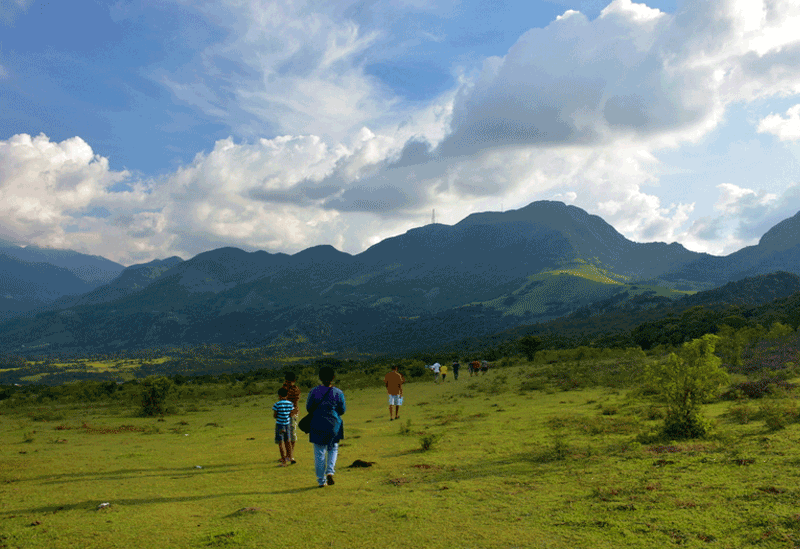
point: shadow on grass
(93, 504)
(124, 474)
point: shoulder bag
(305, 423)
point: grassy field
(507, 467)
(122, 369)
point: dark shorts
(281, 433)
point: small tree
(154, 395)
(684, 382)
(528, 346)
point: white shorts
(395, 400)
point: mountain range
(490, 272)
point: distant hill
(488, 273)
(32, 278)
(777, 250)
(92, 269)
(129, 281)
(25, 285)
(648, 319)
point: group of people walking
(326, 405)
(440, 371)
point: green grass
(578, 282)
(506, 467)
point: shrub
(777, 415)
(428, 441)
(154, 395)
(558, 451)
(683, 382)
(756, 388)
(415, 370)
(406, 428)
(741, 413)
(685, 425)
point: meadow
(519, 457)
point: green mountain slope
(488, 273)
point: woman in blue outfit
(327, 429)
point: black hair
(283, 391)
(326, 374)
(290, 376)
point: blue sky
(139, 130)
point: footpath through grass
(506, 468)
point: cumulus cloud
(582, 105)
(736, 200)
(249, 195)
(54, 194)
(786, 129)
(40, 179)
(574, 110)
(756, 211)
(633, 71)
(61, 195)
(744, 215)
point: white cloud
(574, 110)
(744, 215)
(46, 186)
(286, 67)
(734, 200)
(786, 129)
(566, 197)
(39, 179)
(634, 72)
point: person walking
(455, 367)
(435, 369)
(474, 367)
(328, 405)
(394, 386)
(443, 371)
(281, 411)
(293, 396)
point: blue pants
(325, 460)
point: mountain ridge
(490, 271)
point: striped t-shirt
(284, 408)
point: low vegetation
(572, 449)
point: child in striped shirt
(281, 411)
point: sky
(138, 130)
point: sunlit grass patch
(506, 469)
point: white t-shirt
(436, 367)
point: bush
(683, 382)
(683, 426)
(154, 395)
(558, 451)
(776, 415)
(428, 441)
(756, 389)
(414, 370)
(741, 413)
(406, 429)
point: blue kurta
(326, 423)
